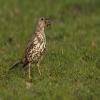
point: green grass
(71, 65)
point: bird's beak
(48, 21)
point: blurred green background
(71, 65)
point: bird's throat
(39, 29)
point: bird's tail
(19, 62)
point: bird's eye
(41, 18)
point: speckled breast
(36, 48)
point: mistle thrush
(36, 46)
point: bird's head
(43, 21)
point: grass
(71, 65)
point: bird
(35, 47)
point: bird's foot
(30, 79)
(28, 84)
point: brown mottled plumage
(36, 45)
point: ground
(71, 65)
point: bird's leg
(38, 65)
(29, 81)
(29, 73)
